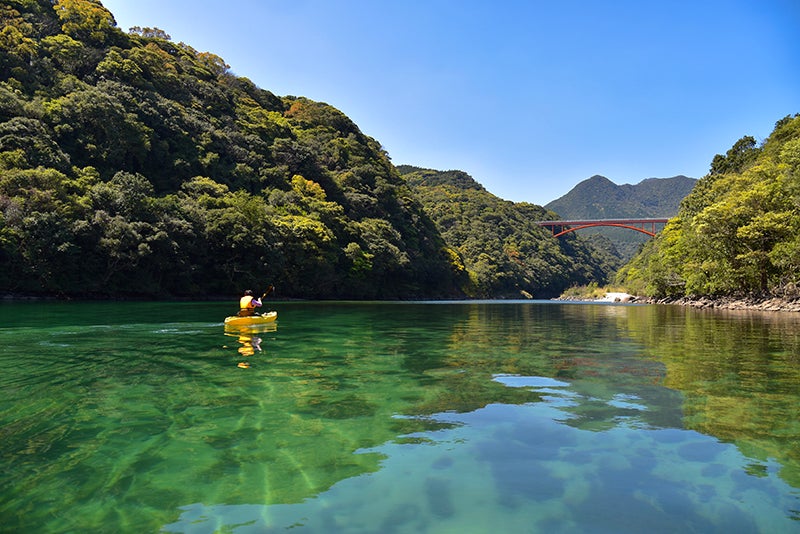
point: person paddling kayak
(248, 304)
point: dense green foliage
(503, 251)
(134, 166)
(738, 232)
(599, 198)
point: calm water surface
(398, 417)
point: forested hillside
(505, 253)
(738, 232)
(600, 198)
(133, 166)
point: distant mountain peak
(598, 197)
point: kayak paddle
(269, 290)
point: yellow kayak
(252, 320)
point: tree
(85, 20)
(742, 154)
(215, 64)
(155, 33)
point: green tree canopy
(737, 232)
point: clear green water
(399, 417)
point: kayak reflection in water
(248, 323)
(250, 344)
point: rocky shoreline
(772, 304)
(730, 303)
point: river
(399, 417)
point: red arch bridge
(645, 226)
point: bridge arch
(645, 226)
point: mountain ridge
(598, 197)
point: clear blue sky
(529, 97)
